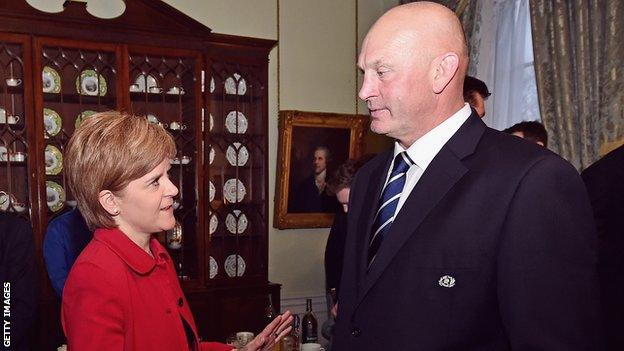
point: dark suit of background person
(605, 185)
(17, 268)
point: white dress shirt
(423, 150)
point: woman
(122, 292)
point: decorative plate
(4, 155)
(212, 85)
(91, 83)
(230, 85)
(211, 122)
(55, 196)
(234, 150)
(230, 190)
(5, 201)
(212, 191)
(142, 81)
(174, 237)
(52, 121)
(231, 265)
(231, 222)
(232, 121)
(214, 267)
(82, 116)
(211, 155)
(53, 160)
(214, 222)
(51, 80)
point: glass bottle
(309, 325)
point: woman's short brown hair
(108, 151)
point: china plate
(214, 222)
(231, 265)
(82, 116)
(5, 200)
(211, 155)
(231, 122)
(212, 85)
(234, 150)
(4, 155)
(142, 81)
(212, 191)
(230, 192)
(51, 80)
(174, 237)
(214, 267)
(91, 83)
(231, 222)
(55, 196)
(230, 85)
(53, 160)
(52, 121)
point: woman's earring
(116, 211)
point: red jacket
(117, 298)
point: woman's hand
(273, 332)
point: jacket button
(356, 332)
(180, 302)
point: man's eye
(380, 73)
(155, 182)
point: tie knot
(402, 162)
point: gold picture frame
(301, 136)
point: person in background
(122, 292)
(475, 93)
(605, 185)
(460, 237)
(339, 185)
(65, 238)
(18, 276)
(530, 130)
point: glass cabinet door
(14, 144)
(166, 90)
(236, 175)
(76, 82)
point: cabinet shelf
(142, 97)
(75, 98)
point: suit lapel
(441, 175)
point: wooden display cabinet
(208, 90)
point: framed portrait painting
(311, 146)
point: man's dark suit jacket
(605, 184)
(492, 250)
(17, 268)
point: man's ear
(109, 202)
(445, 68)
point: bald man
(460, 237)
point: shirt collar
(423, 150)
(129, 252)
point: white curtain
(503, 59)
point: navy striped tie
(388, 203)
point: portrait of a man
(311, 147)
(311, 194)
